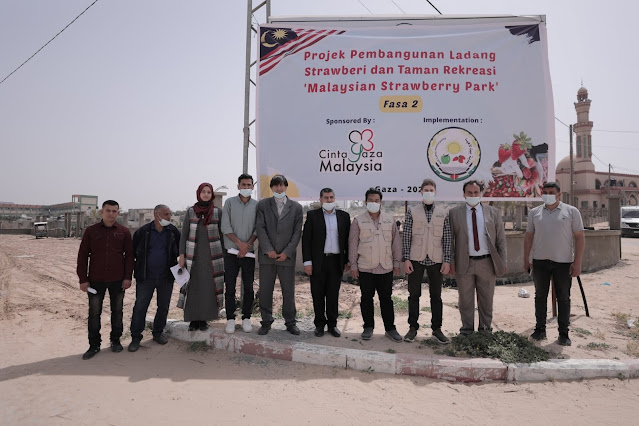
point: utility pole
(572, 171)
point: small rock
(523, 293)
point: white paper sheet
(180, 278)
(236, 251)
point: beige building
(592, 189)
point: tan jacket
(495, 233)
(426, 236)
(375, 245)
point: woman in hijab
(202, 252)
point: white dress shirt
(481, 231)
(332, 241)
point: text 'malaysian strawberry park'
(416, 63)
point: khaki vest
(426, 238)
(375, 245)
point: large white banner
(354, 108)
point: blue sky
(141, 100)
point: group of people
(215, 245)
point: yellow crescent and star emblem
(277, 36)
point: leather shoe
(264, 329)
(91, 352)
(319, 331)
(134, 346)
(334, 331)
(204, 326)
(293, 330)
(160, 338)
(193, 325)
(116, 346)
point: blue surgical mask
(328, 206)
(428, 197)
(373, 207)
(164, 222)
(549, 199)
(279, 196)
(246, 192)
(473, 201)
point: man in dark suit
(325, 253)
(279, 229)
(479, 255)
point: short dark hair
(372, 191)
(552, 185)
(245, 176)
(325, 191)
(110, 203)
(160, 207)
(479, 183)
(428, 182)
(277, 179)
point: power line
(45, 45)
(562, 122)
(402, 10)
(369, 11)
(434, 7)
(605, 164)
(617, 131)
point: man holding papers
(238, 227)
(155, 247)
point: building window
(597, 184)
(594, 204)
(578, 146)
(632, 184)
(589, 146)
(584, 204)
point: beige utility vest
(426, 237)
(375, 245)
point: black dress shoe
(293, 330)
(134, 346)
(116, 346)
(193, 325)
(204, 326)
(161, 339)
(264, 329)
(91, 352)
(334, 331)
(319, 331)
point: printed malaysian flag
(276, 44)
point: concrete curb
(451, 369)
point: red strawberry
(504, 152)
(526, 173)
(531, 162)
(535, 174)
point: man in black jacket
(325, 253)
(155, 246)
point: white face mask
(279, 196)
(549, 199)
(164, 222)
(328, 206)
(246, 192)
(429, 197)
(373, 207)
(473, 201)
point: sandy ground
(44, 380)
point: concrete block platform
(443, 368)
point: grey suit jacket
(496, 238)
(279, 233)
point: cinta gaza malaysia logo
(453, 154)
(360, 157)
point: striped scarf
(217, 253)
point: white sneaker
(246, 325)
(230, 327)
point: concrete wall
(15, 231)
(603, 250)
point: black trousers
(325, 285)
(116, 297)
(232, 266)
(143, 295)
(435, 281)
(543, 271)
(383, 284)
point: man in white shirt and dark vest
(375, 252)
(426, 247)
